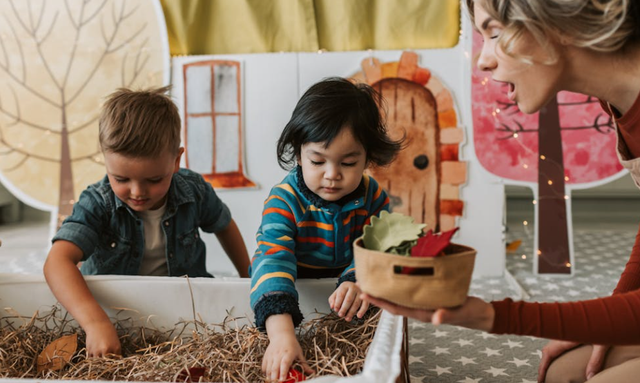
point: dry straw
(228, 352)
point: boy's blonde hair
(141, 123)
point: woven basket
(441, 281)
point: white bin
(165, 301)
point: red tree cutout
(569, 144)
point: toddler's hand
(280, 355)
(346, 301)
(102, 339)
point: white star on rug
(528, 381)
(439, 333)
(538, 353)
(463, 342)
(417, 324)
(490, 352)
(465, 360)
(590, 289)
(574, 293)
(567, 283)
(531, 281)
(519, 362)
(551, 286)
(496, 371)
(535, 292)
(512, 344)
(440, 350)
(415, 359)
(416, 379)
(441, 370)
(469, 380)
(486, 335)
(413, 341)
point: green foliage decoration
(390, 230)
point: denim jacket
(111, 236)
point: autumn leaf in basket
(430, 245)
(390, 230)
(58, 353)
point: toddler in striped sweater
(312, 217)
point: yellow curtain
(258, 26)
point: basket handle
(414, 271)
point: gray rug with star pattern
(452, 354)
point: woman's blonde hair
(600, 25)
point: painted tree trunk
(66, 198)
(553, 239)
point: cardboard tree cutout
(569, 144)
(58, 60)
(423, 182)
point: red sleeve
(630, 278)
(613, 320)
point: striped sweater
(302, 235)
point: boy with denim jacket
(142, 218)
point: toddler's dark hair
(329, 106)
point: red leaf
(191, 374)
(431, 245)
(295, 376)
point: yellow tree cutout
(58, 60)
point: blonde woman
(538, 48)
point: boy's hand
(346, 301)
(102, 339)
(282, 351)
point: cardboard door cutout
(423, 182)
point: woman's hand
(346, 301)
(555, 348)
(102, 340)
(550, 352)
(474, 313)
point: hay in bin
(228, 352)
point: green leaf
(403, 249)
(390, 230)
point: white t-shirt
(154, 260)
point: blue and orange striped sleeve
(273, 265)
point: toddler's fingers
(285, 365)
(339, 297)
(364, 306)
(332, 299)
(347, 303)
(353, 310)
(306, 368)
